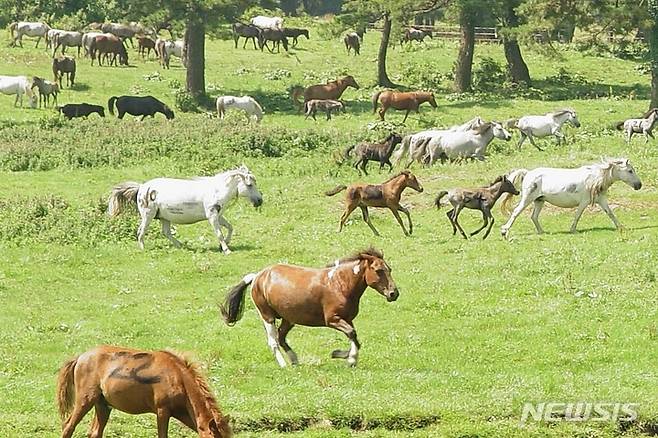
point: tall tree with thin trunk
(652, 36)
(507, 16)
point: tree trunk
(652, 37)
(464, 65)
(382, 77)
(194, 56)
(517, 67)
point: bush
(489, 75)
(425, 76)
(185, 102)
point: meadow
(480, 328)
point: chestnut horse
(137, 382)
(385, 195)
(329, 91)
(325, 297)
(401, 101)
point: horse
(145, 45)
(136, 381)
(139, 106)
(88, 37)
(327, 105)
(325, 297)
(385, 195)
(642, 125)
(64, 65)
(277, 37)
(248, 32)
(352, 41)
(67, 39)
(27, 28)
(569, 188)
(413, 34)
(51, 35)
(46, 89)
(401, 101)
(295, 33)
(122, 31)
(18, 85)
(106, 45)
(543, 126)
(331, 90)
(473, 143)
(72, 110)
(167, 49)
(275, 23)
(245, 103)
(381, 152)
(482, 199)
(187, 201)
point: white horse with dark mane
(642, 125)
(569, 188)
(244, 103)
(26, 28)
(18, 85)
(186, 201)
(472, 143)
(543, 126)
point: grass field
(481, 327)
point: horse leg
(272, 340)
(535, 215)
(364, 163)
(406, 211)
(491, 223)
(399, 219)
(213, 217)
(455, 215)
(450, 214)
(485, 218)
(579, 212)
(163, 415)
(382, 112)
(166, 231)
(284, 328)
(82, 406)
(603, 203)
(521, 140)
(366, 218)
(357, 163)
(100, 419)
(532, 141)
(147, 216)
(405, 116)
(352, 355)
(348, 210)
(229, 228)
(526, 199)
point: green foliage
(185, 101)
(488, 75)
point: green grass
(479, 329)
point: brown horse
(352, 41)
(401, 101)
(137, 382)
(385, 195)
(326, 297)
(145, 45)
(329, 91)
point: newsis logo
(577, 412)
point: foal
(385, 195)
(482, 199)
(327, 105)
(643, 125)
(381, 152)
(46, 89)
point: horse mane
(483, 128)
(359, 256)
(404, 172)
(648, 113)
(602, 180)
(560, 112)
(497, 180)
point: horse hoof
(339, 354)
(227, 251)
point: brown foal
(385, 195)
(401, 101)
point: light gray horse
(548, 124)
(472, 143)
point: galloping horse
(401, 101)
(413, 34)
(295, 33)
(543, 126)
(643, 125)
(569, 188)
(326, 297)
(26, 28)
(329, 91)
(472, 143)
(18, 85)
(137, 382)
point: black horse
(72, 110)
(248, 32)
(139, 106)
(294, 33)
(276, 36)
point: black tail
(437, 201)
(619, 126)
(337, 189)
(233, 306)
(110, 104)
(346, 154)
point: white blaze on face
(333, 270)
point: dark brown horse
(137, 382)
(106, 45)
(145, 45)
(385, 195)
(364, 152)
(329, 91)
(352, 41)
(326, 297)
(401, 101)
(64, 65)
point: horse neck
(229, 182)
(398, 184)
(390, 146)
(495, 191)
(198, 405)
(341, 85)
(561, 119)
(355, 282)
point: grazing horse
(401, 101)
(245, 103)
(88, 37)
(51, 35)
(248, 32)
(61, 66)
(352, 41)
(569, 188)
(543, 126)
(145, 45)
(18, 85)
(187, 201)
(135, 381)
(26, 28)
(331, 90)
(453, 145)
(413, 34)
(72, 110)
(327, 105)
(67, 39)
(46, 89)
(643, 125)
(385, 195)
(104, 45)
(277, 37)
(295, 33)
(139, 106)
(325, 297)
(122, 31)
(275, 23)
(482, 199)
(364, 152)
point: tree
(510, 21)
(652, 36)
(468, 13)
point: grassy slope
(481, 327)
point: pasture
(480, 328)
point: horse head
(573, 118)
(431, 99)
(622, 169)
(350, 81)
(247, 187)
(500, 132)
(507, 186)
(411, 181)
(377, 274)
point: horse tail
(233, 306)
(12, 28)
(258, 111)
(121, 196)
(295, 93)
(404, 147)
(516, 176)
(619, 126)
(110, 104)
(348, 150)
(65, 388)
(335, 190)
(375, 101)
(437, 201)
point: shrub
(489, 75)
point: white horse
(26, 28)
(186, 201)
(51, 35)
(640, 126)
(569, 188)
(264, 22)
(167, 49)
(245, 103)
(18, 85)
(88, 37)
(548, 124)
(67, 39)
(472, 143)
